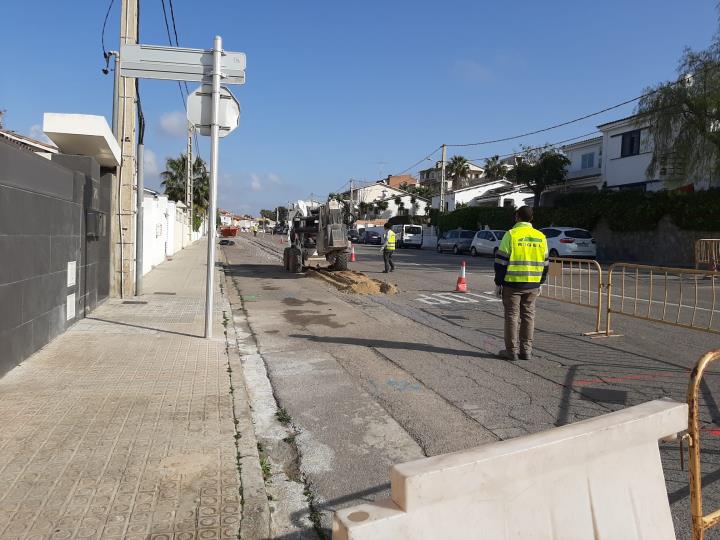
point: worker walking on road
(521, 266)
(254, 230)
(388, 248)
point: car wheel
(554, 253)
(473, 251)
(456, 251)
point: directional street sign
(199, 110)
(179, 64)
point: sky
(356, 90)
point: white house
(431, 177)
(465, 195)
(226, 218)
(511, 196)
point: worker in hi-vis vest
(521, 266)
(388, 248)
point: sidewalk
(124, 426)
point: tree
(268, 214)
(494, 169)
(684, 119)
(174, 181)
(363, 208)
(421, 191)
(458, 169)
(538, 169)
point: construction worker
(521, 266)
(254, 230)
(388, 248)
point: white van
(408, 236)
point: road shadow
(161, 330)
(384, 344)
(256, 271)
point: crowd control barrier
(675, 296)
(598, 478)
(700, 522)
(707, 253)
(576, 281)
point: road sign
(179, 64)
(199, 110)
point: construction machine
(318, 235)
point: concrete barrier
(595, 479)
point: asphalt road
(373, 380)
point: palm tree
(458, 169)
(414, 204)
(494, 169)
(363, 208)
(175, 180)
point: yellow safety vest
(390, 244)
(524, 250)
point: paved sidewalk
(123, 427)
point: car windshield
(499, 234)
(413, 230)
(467, 234)
(578, 233)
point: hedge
(623, 211)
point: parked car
(457, 241)
(486, 242)
(408, 236)
(353, 236)
(370, 237)
(570, 242)
(226, 242)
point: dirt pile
(354, 282)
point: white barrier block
(597, 479)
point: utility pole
(189, 179)
(123, 199)
(352, 200)
(442, 181)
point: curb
(255, 510)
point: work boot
(507, 355)
(525, 356)
(384, 271)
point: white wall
(464, 196)
(618, 171)
(575, 154)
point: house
(465, 195)
(397, 181)
(511, 196)
(393, 202)
(226, 218)
(28, 144)
(431, 177)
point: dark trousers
(387, 258)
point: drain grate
(134, 302)
(166, 293)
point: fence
(700, 522)
(576, 281)
(707, 252)
(685, 298)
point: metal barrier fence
(676, 296)
(707, 252)
(700, 522)
(576, 281)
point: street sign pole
(214, 148)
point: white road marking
(449, 297)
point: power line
(682, 80)
(431, 154)
(102, 34)
(549, 145)
(167, 28)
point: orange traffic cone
(461, 285)
(352, 254)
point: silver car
(457, 241)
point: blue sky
(340, 90)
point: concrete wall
(51, 271)
(667, 245)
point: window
(499, 234)
(578, 233)
(413, 230)
(453, 234)
(630, 143)
(588, 160)
(550, 233)
(467, 234)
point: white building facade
(463, 196)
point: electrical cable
(170, 41)
(431, 154)
(548, 145)
(682, 80)
(102, 34)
